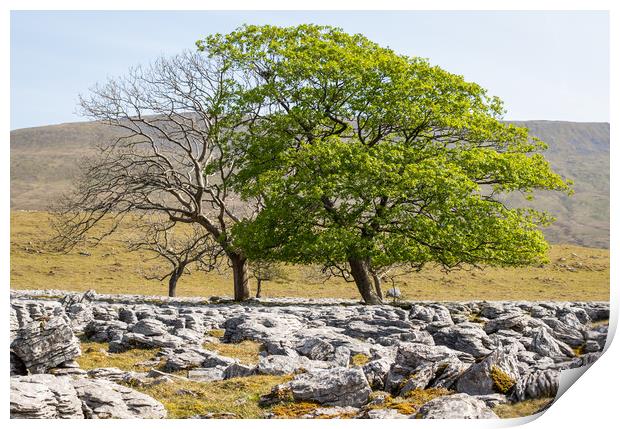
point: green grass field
(573, 274)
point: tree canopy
(364, 158)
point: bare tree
(177, 155)
(183, 249)
(264, 271)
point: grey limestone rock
(376, 371)
(45, 344)
(103, 399)
(466, 337)
(478, 379)
(207, 374)
(315, 349)
(336, 386)
(48, 396)
(458, 406)
(537, 384)
(545, 345)
(44, 396)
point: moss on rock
(501, 381)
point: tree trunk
(377, 280)
(240, 276)
(172, 284)
(259, 283)
(363, 282)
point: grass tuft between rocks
(217, 333)
(412, 401)
(521, 409)
(96, 355)
(246, 351)
(293, 410)
(239, 396)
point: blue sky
(544, 65)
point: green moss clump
(359, 359)
(501, 381)
(412, 401)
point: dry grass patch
(599, 323)
(110, 268)
(293, 410)
(96, 355)
(521, 409)
(239, 396)
(217, 333)
(412, 401)
(246, 351)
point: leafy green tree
(365, 158)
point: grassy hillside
(578, 151)
(574, 273)
(44, 159)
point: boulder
(134, 340)
(570, 335)
(337, 386)
(149, 327)
(545, 345)
(315, 349)
(423, 363)
(417, 354)
(376, 372)
(215, 373)
(515, 321)
(458, 406)
(281, 365)
(190, 336)
(331, 413)
(48, 396)
(466, 337)
(103, 399)
(185, 358)
(44, 396)
(418, 337)
(80, 315)
(537, 384)
(42, 345)
(278, 365)
(239, 370)
(110, 373)
(497, 373)
(105, 330)
(127, 315)
(430, 313)
(447, 372)
(260, 327)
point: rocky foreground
(349, 358)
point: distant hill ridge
(44, 160)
